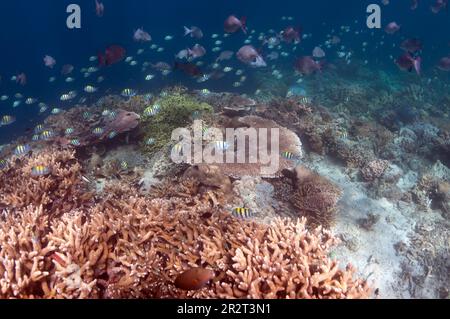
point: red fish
(406, 62)
(291, 34)
(233, 24)
(112, 55)
(189, 68)
(411, 45)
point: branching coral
(289, 262)
(61, 190)
(131, 246)
(374, 170)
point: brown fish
(189, 68)
(411, 45)
(233, 24)
(194, 279)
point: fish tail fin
(418, 65)
(244, 24)
(187, 31)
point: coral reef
(85, 121)
(127, 245)
(288, 142)
(315, 197)
(62, 190)
(176, 110)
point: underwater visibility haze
(225, 149)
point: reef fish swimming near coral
(242, 213)
(194, 279)
(40, 170)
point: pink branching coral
(127, 245)
(61, 190)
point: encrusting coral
(127, 245)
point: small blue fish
(152, 110)
(150, 141)
(75, 142)
(290, 156)
(39, 128)
(124, 165)
(112, 135)
(35, 138)
(40, 170)
(86, 115)
(196, 115)
(56, 111)
(22, 149)
(222, 145)
(7, 120)
(69, 131)
(3, 164)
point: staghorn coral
(62, 190)
(289, 262)
(130, 246)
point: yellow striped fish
(45, 135)
(242, 213)
(40, 170)
(290, 156)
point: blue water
(32, 29)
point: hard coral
(374, 170)
(61, 190)
(131, 246)
(85, 120)
(288, 142)
(315, 197)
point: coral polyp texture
(128, 245)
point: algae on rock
(176, 110)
